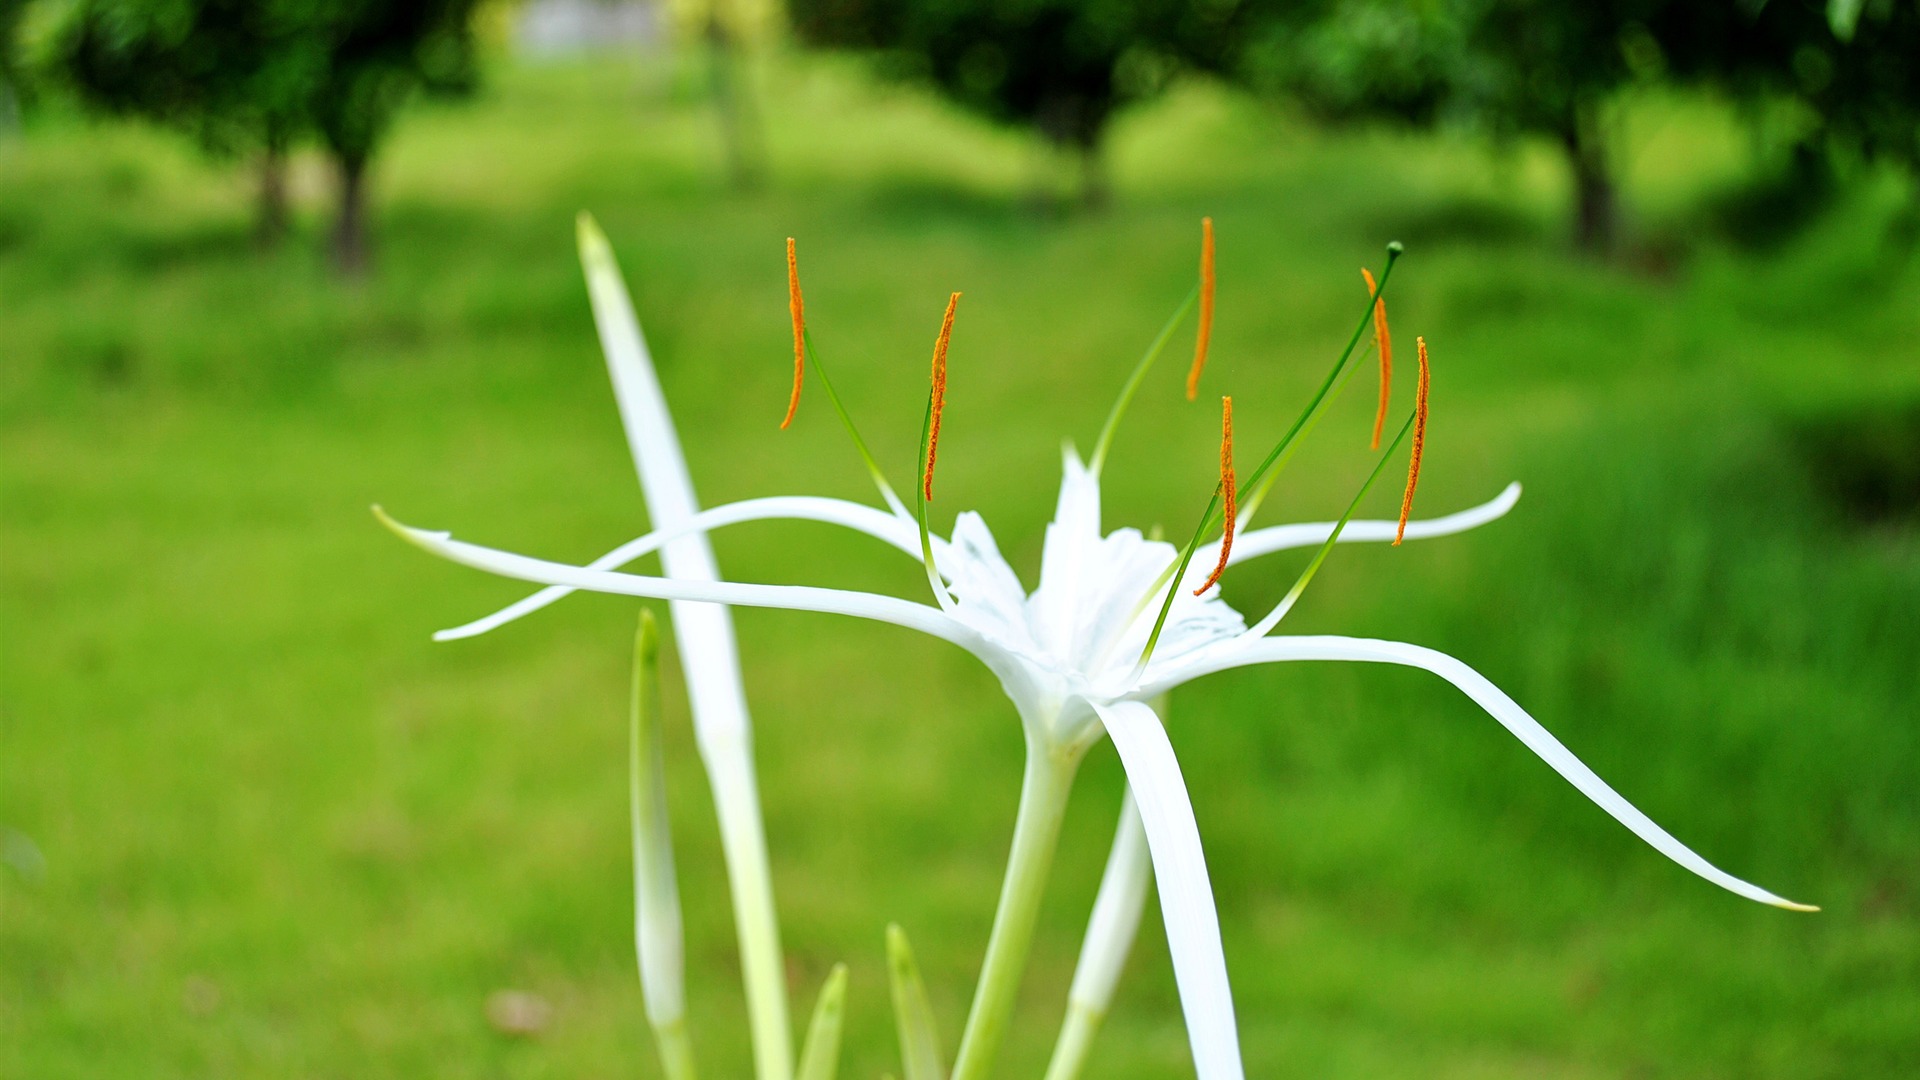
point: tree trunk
(270, 222)
(732, 101)
(1596, 215)
(350, 253)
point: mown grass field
(280, 834)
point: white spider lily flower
(1073, 658)
(1066, 655)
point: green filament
(846, 420)
(1134, 380)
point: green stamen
(1134, 380)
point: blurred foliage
(255, 75)
(1058, 67)
(1511, 67)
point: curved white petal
(1116, 913)
(1258, 542)
(1510, 715)
(875, 523)
(1186, 896)
(864, 605)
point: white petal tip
(1509, 496)
(592, 241)
(456, 634)
(426, 538)
(1789, 905)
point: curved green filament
(1173, 585)
(1326, 548)
(1280, 464)
(1134, 380)
(1394, 251)
(846, 420)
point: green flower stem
(744, 846)
(676, 1050)
(1076, 1041)
(1036, 833)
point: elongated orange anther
(1419, 444)
(939, 392)
(1206, 308)
(1226, 492)
(799, 311)
(1384, 340)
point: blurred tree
(1060, 68)
(1509, 67)
(226, 71)
(13, 85)
(1849, 70)
(379, 55)
(252, 76)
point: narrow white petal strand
(708, 653)
(875, 523)
(888, 609)
(1186, 896)
(1258, 542)
(1116, 913)
(1510, 715)
(705, 633)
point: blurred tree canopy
(12, 83)
(253, 76)
(1542, 67)
(1060, 68)
(1850, 70)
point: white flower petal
(1065, 556)
(875, 523)
(1258, 542)
(887, 609)
(1186, 896)
(1116, 913)
(1502, 708)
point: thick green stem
(1036, 833)
(744, 846)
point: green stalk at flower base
(1036, 834)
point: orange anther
(939, 392)
(1419, 443)
(798, 310)
(1384, 340)
(1206, 308)
(1226, 491)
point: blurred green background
(255, 825)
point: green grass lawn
(283, 835)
